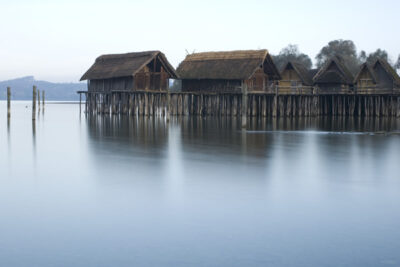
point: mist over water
(80, 190)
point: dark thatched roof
(312, 73)
(301, 70)
(231, 65)
(123, 65)
(325, 75)
(366, 67)
(386, 66)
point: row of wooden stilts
(264, 105)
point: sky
(59, 40)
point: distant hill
(21, 89)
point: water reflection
(224, 136)
(147, 133)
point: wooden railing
(295, 90)
(375, 90)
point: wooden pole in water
(34, 103)
(8, 102)
(38, 100)
(168, 104)
(43, 98)
(244, 104)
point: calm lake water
(119, 191)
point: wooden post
(80, 102)
(34, 103)
(86, 102)
(113, 104)
(275, 103)
(43, 99)
(38, 100)
(244, 104)
(8, 102)
(168, 104)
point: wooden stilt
(8, 102)
(34, 103)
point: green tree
(346, 49)
(291, 53)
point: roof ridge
(128, 55)
(345, 72)
(227, 55)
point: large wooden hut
(227, 71)
(333, 77)
(149, 71)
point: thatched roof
(325, 75)
(122, 65)
(389, 70)
(301, 70)
(312, 73)
(367, 68)
(232, 65)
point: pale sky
(59, 40)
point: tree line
(346, 49)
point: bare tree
(397, 65)
(291, 53)
(378, 54)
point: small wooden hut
(379, 76)
(149, 71)
(334, 76)
(226, 71)
(295, 74)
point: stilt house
(386, 76)
(149, 71)
(226, 71)
(380, 76)
(334, 77)
(295, 75)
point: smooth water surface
(119, 191)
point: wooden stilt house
(334, 77)
(376, 78)
(149, 71)
(226, 71)
(295, 77)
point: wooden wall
(107, 85)
(259, 82)
(365, 80)
(290, 78)
(207, 85)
